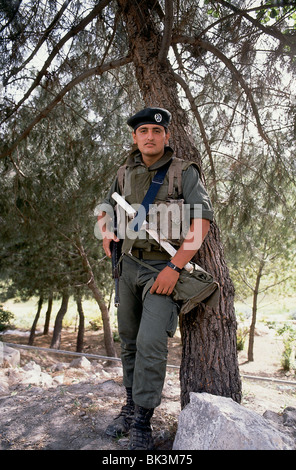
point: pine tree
(216, 65)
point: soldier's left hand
(165, 282)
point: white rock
(59, 367)
(116, 371)
(9, 357)
(45, 380)
(34, 377)
(211, 422)
(32, 367)
(58, 380)
(4, 385)
(15, 376)
(81, 362)
(105, 374)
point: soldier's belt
(150, 255)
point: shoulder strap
(177, 167)
(150, 196)
(120, 177)
(175, 172)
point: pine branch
(17, 6)
(73, 32)
(201, 127)
(286, 39)
(229, 64)
(40, 42)
(167, 33)
(99, 70)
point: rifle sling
(150, 196)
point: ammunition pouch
(191, 289)
(196, 287)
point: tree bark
(48, 314)
(34, 325)
(56, 337)
(209, 357)
(80, 334)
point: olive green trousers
(144, 323)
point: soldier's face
(151, 140)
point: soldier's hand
(104, 221)
(108, 238)
(165, 282)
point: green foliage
(241, 335)
(275, 10)
(5, 318)
(116, 337)
(287, 332)
(96, 325)
(242, 332)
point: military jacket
(181, 197)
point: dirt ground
(74, 415)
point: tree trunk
(254, 312)
(80, 334)
(56, 337)
(209, 358)
(34, 325)
(108, 336)
(48, 314)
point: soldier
(148, 315)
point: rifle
(131, 212)
(115, 256)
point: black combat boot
(121, 424)
(141, 431)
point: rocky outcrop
(211, 422)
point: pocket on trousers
(173, 322)
(147, 287)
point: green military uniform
(146, 320)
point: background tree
(217, 66)
(47, 207)
(260, 243)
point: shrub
(5, 318)
(242, 332)
(288, 333)
(95, 325)
(241, 335)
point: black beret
(158, 116)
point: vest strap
(175, 172)
(150, 197)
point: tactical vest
(166, 214)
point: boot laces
(141, 436)
(127, 411)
